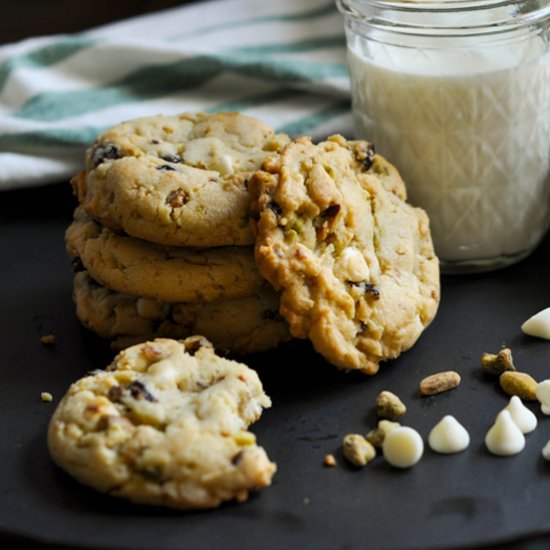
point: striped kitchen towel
(283, 62)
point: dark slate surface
(456, 501)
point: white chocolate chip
(353, 265)
(448, 436)
(219, 156)
(504, 438)
(546, 451)
(403, 447)
(538, 325)
(543, 395)
(224, 165)
(525, 420)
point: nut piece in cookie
(165, 424)
(354, 264)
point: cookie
(354, 263)
(177, 180)
(170, 274)
(166, 424)
(243, 325)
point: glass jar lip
(444, 5)
(450, 17)
(519, 9)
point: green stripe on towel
(338, 41)
(44, 56)
(160, 80)
(51, 137)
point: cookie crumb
(330, 461)
(307, 500)
(47, 339)
(46, 396)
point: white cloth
(283, 62)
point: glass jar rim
(529, 8)
(445, 5)
(512, 13)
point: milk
(469, 130)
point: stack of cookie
(161, 240)
(166, 246)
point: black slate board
(455, 501)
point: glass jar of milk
(456, 94)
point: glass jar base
(462, 267)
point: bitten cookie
(353, 262)
(244, 325)
(177, 180)
(169, 274)
(166, 424)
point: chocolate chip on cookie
(102, 152)
(171, 158)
